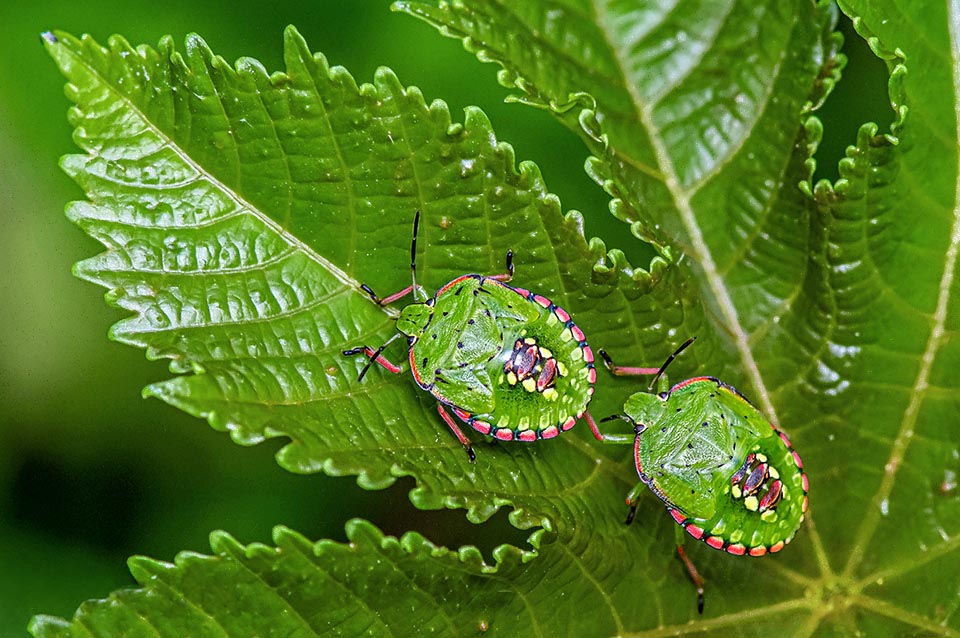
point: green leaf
(241, 210)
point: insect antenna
(683, 346)
(417, 292)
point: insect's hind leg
(464, 441)
(691, 569)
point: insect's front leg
(389, 298)
(374, 356)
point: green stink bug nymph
(509, 363)
(727, 476)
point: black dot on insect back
(663, 429)
(424, 363)
(704, 424)
(460, 345)
(689, 446)
(446, 312)
(434, 335)
(471, 322)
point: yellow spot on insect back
(529, 341)
(577, 354)
(523, 423)
(751, 503)
(769, 516)
(562, 369)
(552, 319)
(550, 394)
(736, 535)
(529, 384)
(773, 472)
(762, 458)
(736, 491)
(511, 378)
(566, 335)
(545, 353)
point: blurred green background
(90, 473)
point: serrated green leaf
(820, 303)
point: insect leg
(391, 298)
(457, 432)
(694, 574)
(632, 497)
(608, 438)
(634, 371)
(507, 276)
(375, 357)
(624, 371)
(413, 287)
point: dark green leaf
(241, 210)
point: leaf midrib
(681, 200)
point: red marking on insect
(527, 435)
(543, 301)
(413, 368)
(588, 354)
(636, 456)
(569, 423)
(677, 516)
(739, 474)
(784, 438)
(736, 549)
(684, 384)
(526, 359)
(523, 291)
(776, 547)
(760, 550)
(693, 530)
(577, 332)
(464, 415)
(772, 497)
(481, 426)
(592, 378)
(804, 482)
(503, 434)
(564, 317)
(548, 375)
(456, 281)
(804, 507)
(796, 457)
(757, 476)
(715, 542)
(550, 432)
